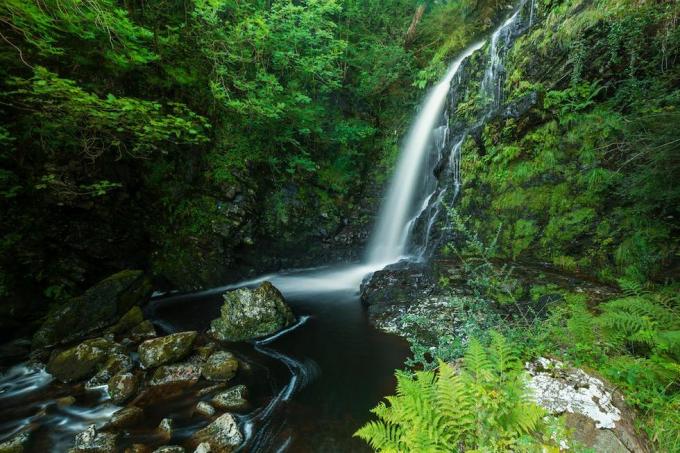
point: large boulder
(223, 435)
(251, 313)
(100, 306)
(168, 349)
(595, 415)
(82, 361)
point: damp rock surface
(251, 313)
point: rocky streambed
(128, 388)
(237, 368)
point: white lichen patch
(560, 389)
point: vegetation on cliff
(584, 183)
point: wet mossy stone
(82, 361)
(222, 435)
(163, 350)
(100, 306)
(122, 387)
(17, 444)
(220, 366)
(93, 441)
(231, 399)
(251, 313)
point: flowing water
(310, 386)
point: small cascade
(500, 40)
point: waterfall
(390, 236)
(415, 197)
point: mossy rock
(223, 435)
(251, 313)
(220, 366)
(82, 361)
(231, 399)
(168, 349)
(122, 387)
(100, 306)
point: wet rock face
(595, 415)
(222, 435)
(100, 306)
(395, 287)
(251, 313)
(168, 349)
(82, 361)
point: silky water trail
(311, 385)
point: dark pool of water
(342, 365)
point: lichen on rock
(251, 313)
(167, 349)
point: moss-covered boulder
(100, 306)
(167, 349)
(220, 366)
(82, 361)
(251, 313)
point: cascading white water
(389, 238)
(491, 84)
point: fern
(484, 406)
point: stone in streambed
(220, 366)
(231, 399)
(128, 321)
(117, 362)
(142, 331)
(165, 428)
(122, 387)
(92, 441)
(82, 361)
(222, 435)
(177, 375)
(100, 306)
(203, 448)
(170, 449)
(205, 409)
(251, 313)
(125, 418)
(16, 444)
(168, 349)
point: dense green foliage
(587, 181)
(582, 186)
(483, 406)
(171, 135)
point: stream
(323, 375)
